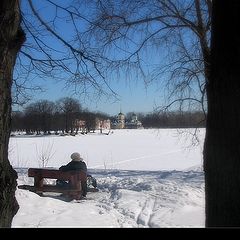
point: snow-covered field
(146, 178)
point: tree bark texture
(11, 39)
(222, 141)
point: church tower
(121, 120)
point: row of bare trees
(45, 116)
(174, 120)
(159, 41)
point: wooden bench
(73, 190)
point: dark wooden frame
(73, 189)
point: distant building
(134, 122)
(103, 124)
(119, 122)
(97, 124)
(80, 125)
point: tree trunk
(222, 142)
(11, 39)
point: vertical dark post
(222, 142)
(38, 183)
(11, 40)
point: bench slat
(54, 188)
(55, 174)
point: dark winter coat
(74, 165)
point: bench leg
(75, 196)
(38, 184)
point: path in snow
(126, 199)
(153, 199)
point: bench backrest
(57, 174)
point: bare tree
(45, 153)
(222, 144)
(70, 108)
(174, 34)
(196, 72)
(39, 116)
(11, 40)
(47, 53)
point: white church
(120, 122)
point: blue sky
(133, 97)
(133, 94)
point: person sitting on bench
(76, 163)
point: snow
(147, 178)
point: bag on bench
(62, 183)
(91, 184)
(91, 181)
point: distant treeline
(174, 120)
(45, 116)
